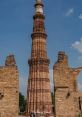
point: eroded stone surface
(39, 93)
(9, 89)
(66, 90)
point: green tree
(53, 98)
(22, 103)
(80, 115)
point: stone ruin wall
(9, 89)
(66, 90)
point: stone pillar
(39, 93)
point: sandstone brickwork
(68, 101)
(39, 93)
(9, 88)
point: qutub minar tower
(39, 93)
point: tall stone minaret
(39, 93)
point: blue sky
(63, 26)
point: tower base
(42, 114)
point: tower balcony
(39, 34)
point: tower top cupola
(39, 6)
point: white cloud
(23, 85)
(69, 12)
(78, 45)
(51, 80)
(80, 16)
(80, 57)
(80, 86)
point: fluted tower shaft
(39, 94)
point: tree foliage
(22, 103)
(53, 98)
(80, 115)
